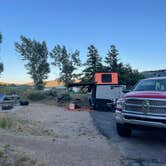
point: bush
(6, 122)
(53, 92)
(50, 93)
(36, 95)
(21, 91)
(63, 97)
(7, 90)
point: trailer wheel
(98, 107)
(24, 103)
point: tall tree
(1, 64)
(35, 53)
(0, 37)
(112, 59)
(93, 64)
(67, 63)
(128, 76)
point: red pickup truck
(144, 107)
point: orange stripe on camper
(106, 78)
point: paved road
(142, 149)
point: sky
(136, 27)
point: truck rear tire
(123, 131)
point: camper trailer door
(110, 92)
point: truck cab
(144, 107)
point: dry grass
(28, 127)
(25, 127)
(10, 157)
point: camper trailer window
(106, 78)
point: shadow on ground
(144, 148)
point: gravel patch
(75, 141)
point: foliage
(63, 98)
(58, 91)
(0, 37)
(128, 76)
(6, 122)
(10, 90)
(22, 91)
(67, 63)
(93, 64)
(112, 59)
(1, 67)
(50, 93)
(36, 95)
(1, 64)
(36, 54)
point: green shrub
(36, 95)
(63, 97)
(21, 91)
(53, 92)
(50, 93)
(6, 122)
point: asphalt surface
(144, 148)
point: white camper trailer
(104, 91)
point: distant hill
(50, 84)
(8, 83)
(53, 83)
(154, 73)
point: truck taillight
(120, 104)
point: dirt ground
(56, 137)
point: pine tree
(112, 59)
(1, 64)
(93, 64)
(0, 38)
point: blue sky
(136, 27)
